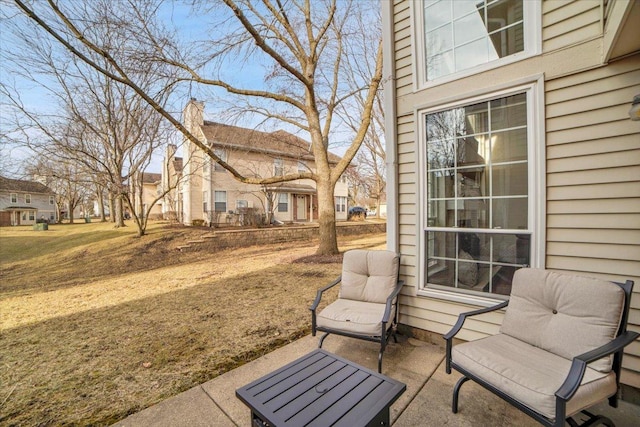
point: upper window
(302, 167)
(278, 167)
(14, 198)
(27, 198)
(480, 188)
(461, 35)
(222, 154)
(51, 200)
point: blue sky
(191, 26)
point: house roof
(278, 143)
(23, 186)
(151, 178)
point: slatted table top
(321, 389)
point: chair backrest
(564, 314)
(369, 276)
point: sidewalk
(420, 365)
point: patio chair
(367, 305)
(559, 350)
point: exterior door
(301, 207)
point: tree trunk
(103, 218)
(119, 214)
(326, 219)
(70, 206)
(112, 208)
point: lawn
(96, 324)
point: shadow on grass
(98, 366)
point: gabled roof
(23, 186)
(278, 143)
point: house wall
(592, 155)
(39, 205)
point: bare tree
(302, 45)
(100, 123)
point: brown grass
(92, 332)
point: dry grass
(96, 324)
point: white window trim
(13, 197)
(534, 86)
(532, 16)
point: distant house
(510, 143)
(209, 193)
(151, 189)
(23, 202)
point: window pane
(440, 65)
(510, 213)
(441, 272)
(444, 244)
(509, 145)
(439, 40)
(510, 180)
(441, 184)
(504, 12)
(441, 213)
(440, 154)
(469, 28)
(473, 213)
(511, 248)
(437, 14)
(465, 7)
(472, 54)
(509, 112)
(469, 152)
(476, 118)
(508, 41)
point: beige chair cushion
(566, 315)
(369, 276)
(357, 317)
(530, 374)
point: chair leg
(593, 420)
(322, 339)
(456, 390)
(380, 360)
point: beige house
(509, 134)
(209, 193)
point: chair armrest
(579, 364)
(463, 316)
(456, 328)
(321, 291)
(390, 298)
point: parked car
(357, 212)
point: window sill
(459, 297)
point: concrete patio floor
(418, 364)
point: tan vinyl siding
(402, 42)
(593, 181)
(592, 161)
(569, 22)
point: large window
(14, 198)
(477, 186)
(462, 34)
(341, 204)
(220, 201)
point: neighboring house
(23, 202)
(209, 193)
(509, 135)
(171, 177)
(151, 189)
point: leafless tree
(302, 46)
(99, 122)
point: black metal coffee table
(321, 389)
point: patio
(418, 364)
